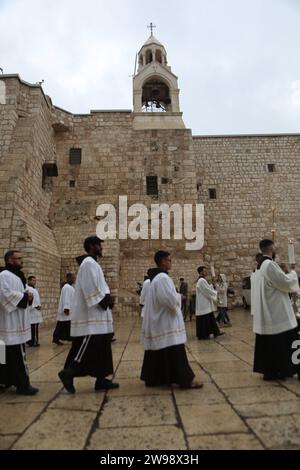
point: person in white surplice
(163, 332)
(206, 298)
(91, 324)
(63, 326)
(274, 321)
(35, 313)
(15, 324)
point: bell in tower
(155, 89)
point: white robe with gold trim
(35, 315)
(88, 318)
(163, 324)
(14, 322)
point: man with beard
(15, 324)
(91, 324)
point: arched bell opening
(158, 56)
(149, 56)
(156, 97)
(141, 60)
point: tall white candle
(291, 252)
(212, 270)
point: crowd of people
(85, 318)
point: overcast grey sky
(237, 61)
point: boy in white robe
(63, 327)
(15, 324)
(35, 313)
(91, 324)
(163, 332)
(206, 298)
(274, 322)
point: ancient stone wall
(241, 215)
(28, 143)
(49, 224)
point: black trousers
(90, 355)
(15, 371)
(166, 367)
(273, 354)
(34, 335)
(62, 331)
(206, 325)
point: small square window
(164, 180)
(75, 156)
(212, 193)
(271, 168)
(152, 187)
(72, 184)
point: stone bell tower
(155, 90)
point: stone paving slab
(139, 438)
(7, 441)
(57, 429)
(226, 367)
(145, 410)
(241, 441)
(265, 394)
(238, 380)
(208, 395)
(16, 417)
(235, 409)
(210, 419)
(278, 432)
(257, 410)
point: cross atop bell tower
(155, 89)
(151, 26)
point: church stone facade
(57, 167)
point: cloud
(236, 61)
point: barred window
(75, 156)
(151, 183)
(271, 167)
(212, 193)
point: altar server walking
(62, 330)
(163, 332)
(35, 313)
(206, 298)
(15, 324)
(91, 323)
(274, 324)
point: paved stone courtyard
(235, 410)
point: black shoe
(269, 377)
(219, 334)
(28, 391)
(30, 344)
(59, 343)
(281, 377)
(105, 384)
(67, 380)
(36, 345)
